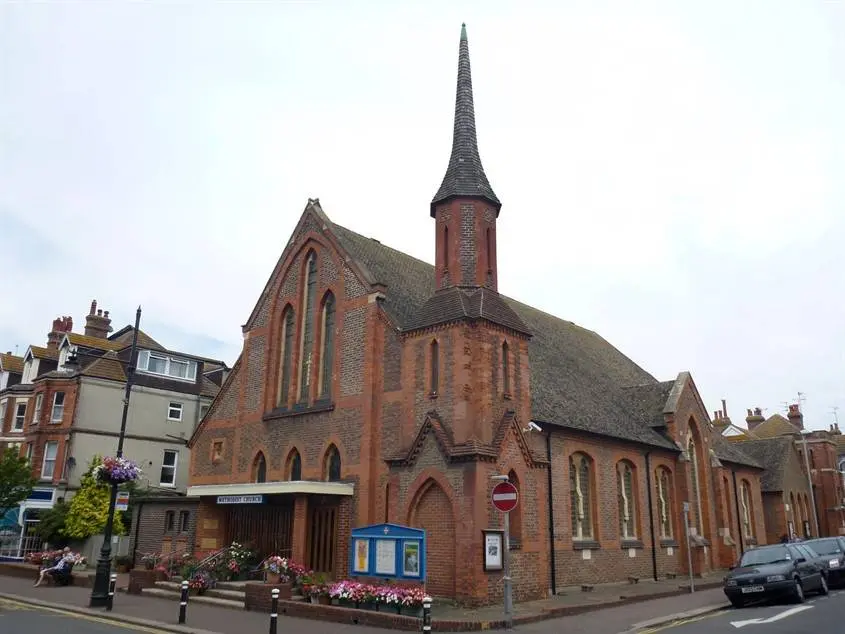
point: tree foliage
(89, 508)
(51, 524)
(16, 480)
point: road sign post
(505, 498)
(689, 547)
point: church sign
(240, 499)
(388, 550)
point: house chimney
(754, 418)
(61, 326)
(795, 416)
(97, 324)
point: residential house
(68, 405)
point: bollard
(112, 584)
(426, 620)
(274, 610)
(183, 603)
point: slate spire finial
(465, 175)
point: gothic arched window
(332, 468)
(745, 509)
(327, 354)
(286, 356)
(663, 478)
(294, 466)
(580, 496)
(259, 468)
(626, 500)
(434, 354)
(307, 346)
(506, 369)
(698, 523)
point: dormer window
(166, 365)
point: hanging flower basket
(116, 471)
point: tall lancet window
(327, 354)
(506, 368)
(696, 488)
(286, 356)
(434, 353)
(306, 359)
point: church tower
(474, 344)
(465, 207)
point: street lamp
(804, 434)
(100, 591)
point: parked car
(775, 572)
(832, 552)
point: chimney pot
(758, 411)
(106, 314)
(93, 307)
(724, 408)
(748, 411)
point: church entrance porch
(299, 520)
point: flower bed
(388, 597)
(51, 557)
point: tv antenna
(835, 411)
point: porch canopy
(289, 487)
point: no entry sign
(505, 497)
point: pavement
(159, 615)
(817, 614)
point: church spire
(465, 175)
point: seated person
(60, 570)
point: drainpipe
(738, 519)
(551, 513)
(647, 455)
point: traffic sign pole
(505, 498)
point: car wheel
(823, 588)
(737, 602)
(798, 592)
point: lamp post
(100, 591)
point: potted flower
(80, 563)
(114, 470)
(122, 563)
(150, 560)
(412, 601)
(200, 582)
(275, 569)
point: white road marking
(772, 619)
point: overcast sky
(671, 173)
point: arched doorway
(432, 511)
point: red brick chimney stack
(61, 326)
(795, 416)
(97, 323)
(754, 418)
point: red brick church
(374, 387)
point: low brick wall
(258, 596)
(28, 571)
(140, 579)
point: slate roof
(577, 378)
(11, 363)
(773, 453)
(648, 401)
(456, 303)
(465, 175)
(109, 366)
(733, 452)
(775, 425)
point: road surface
(818, 614)
(17, 618)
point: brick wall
(152, 534)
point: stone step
(220, 591)
(206, 599)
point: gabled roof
(733, 452)
(648, 402)
(94, 343)
(577, 378)
(775, 425)
(11, 363)
(37, 352)
(774, 454)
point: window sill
(297, 410)
(668, 543)
(631, 543)
(585, 544)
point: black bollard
(112, 584)
(183, 603)
(274, 610)
(426, 620)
